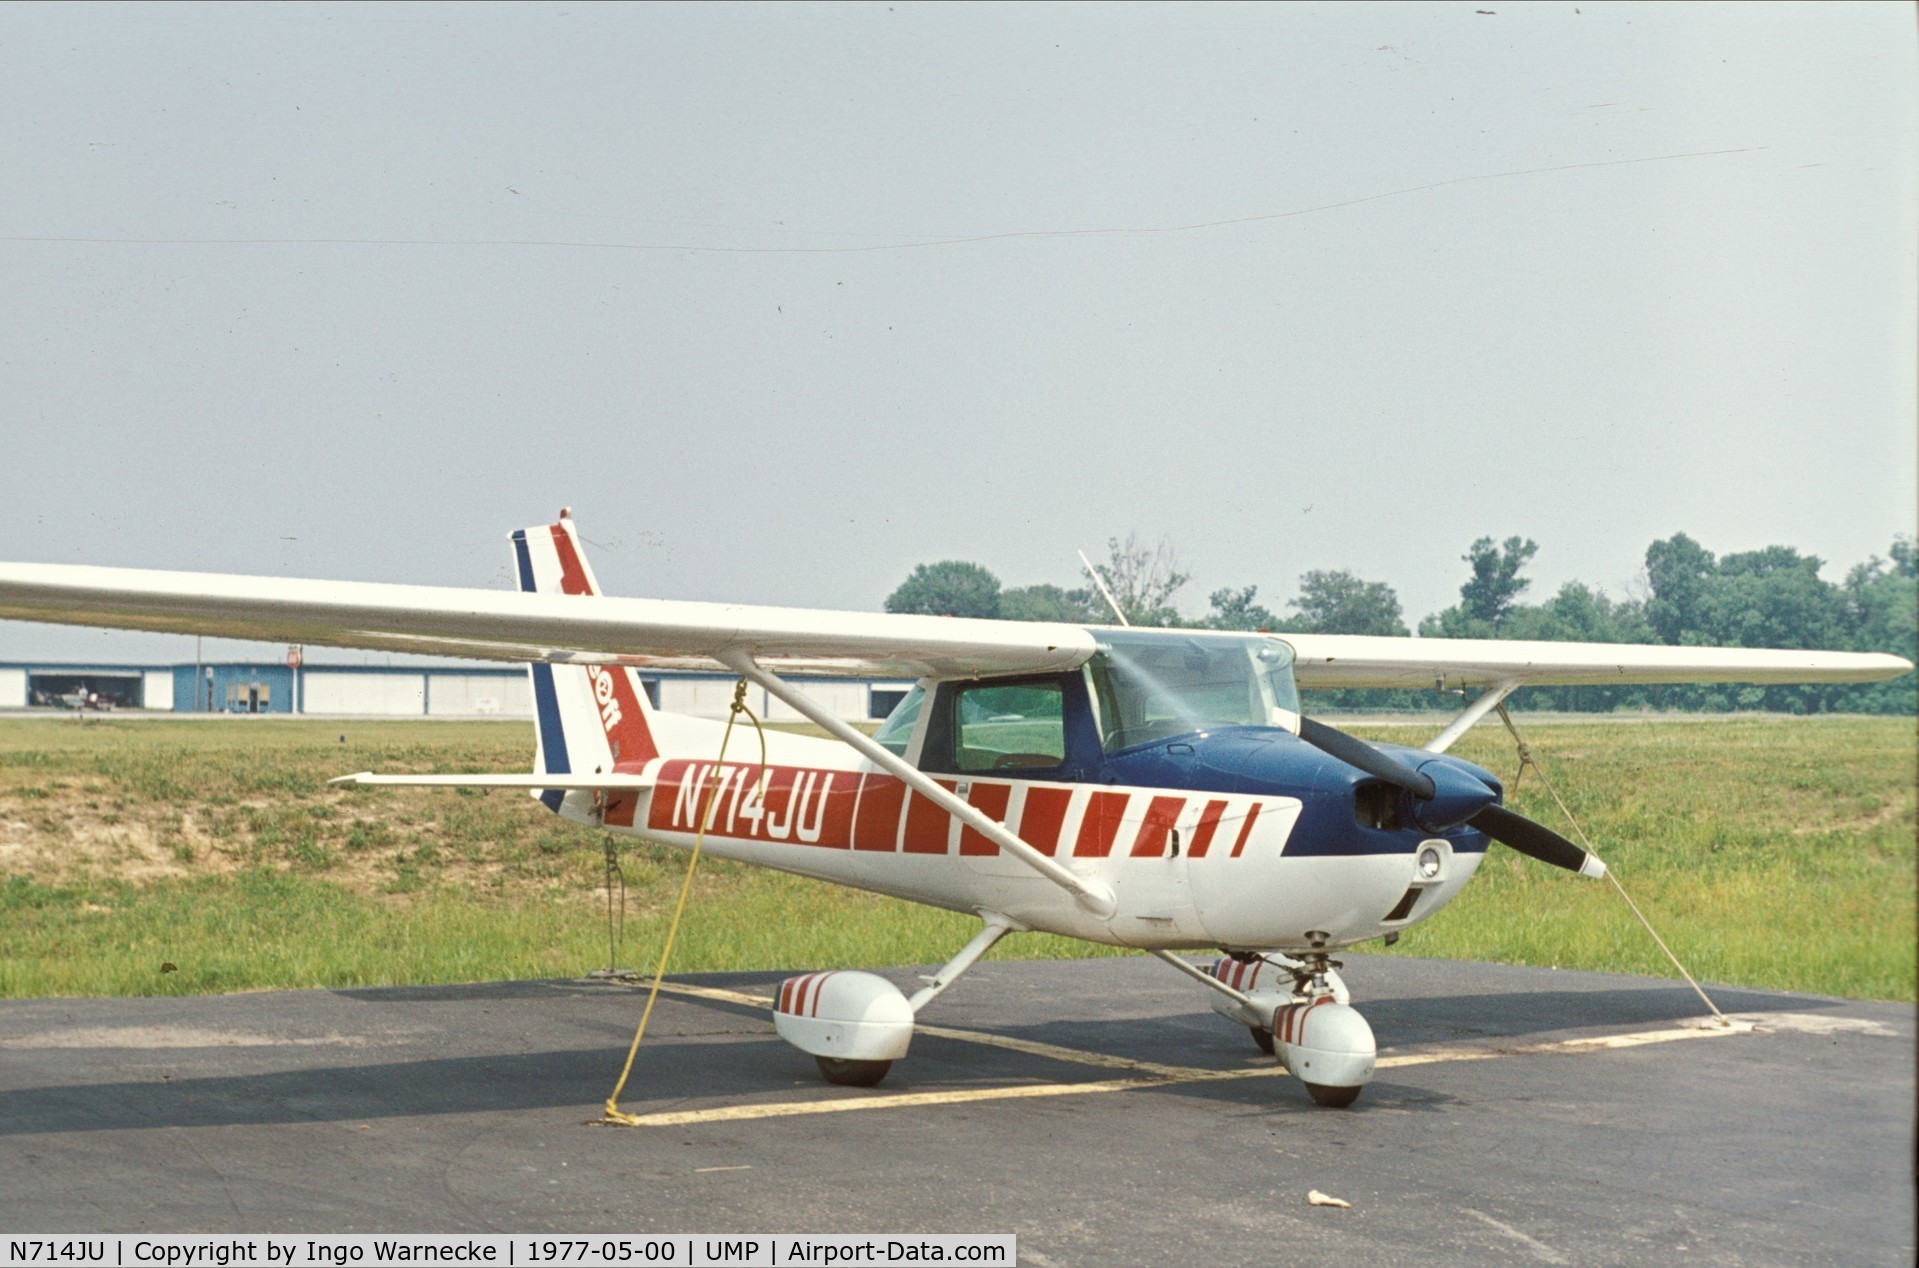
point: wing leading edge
(1352, 660)
(512, 626)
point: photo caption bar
(502, 1250)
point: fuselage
(1241, 837)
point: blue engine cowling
(1271, 761)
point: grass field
(1769, 852)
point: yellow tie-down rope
(614, 1115)
(1526, 759)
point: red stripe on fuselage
(926, 823)
(990, 800)
(1156, 828)
(842, 809)
(1208, 824)
(1040, 821)
(840, 795)
(1100, 824)
(619, 810)
(878, 824)
(1252, 813)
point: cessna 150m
(1156, 789)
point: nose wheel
(1332, 1097)
(1309, 1024)
(852, 1073)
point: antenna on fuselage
(1101, 583)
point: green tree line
(1773, 597)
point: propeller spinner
(1445, 796)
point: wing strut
(1094, 896)
(1488, 700)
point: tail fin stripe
(573, 579)
(552, 737)
(621, 714)
(525, 560)
(602, 706)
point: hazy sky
(786, 299)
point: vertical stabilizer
(589, 718)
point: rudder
(587, 717)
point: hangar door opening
(86, 690)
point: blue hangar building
(462, 690)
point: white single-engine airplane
(1156, 789)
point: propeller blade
(1357, 753)
(1535, 840)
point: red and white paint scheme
(1326, 1045)
(1156, 789)
(855, 1023)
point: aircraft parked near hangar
(1156, 789)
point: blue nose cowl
(1457, 796)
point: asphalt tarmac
(1098, 1109)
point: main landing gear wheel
(1332, 1097)
(1264, 1038)
(864, 1073)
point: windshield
(1150, 685)
(897, 731)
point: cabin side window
(1009, 727)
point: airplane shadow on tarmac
(1519, 1015)
(578, 1078)
(681, 1070)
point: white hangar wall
(711, 696)
(359, 693)
(701, 697)
(440, 693)
(457, 695)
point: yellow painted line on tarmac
(1150, 1074)
(710, 992)
(1565, 1047)
(1031, 1047)
(1704, 1030)
(1181, 1073)
(899, 1100)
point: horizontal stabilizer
(531, 780)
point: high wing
(514, 626)
(498, 625)
(1353, 660)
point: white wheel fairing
(1325, 1043)
(844, 1016)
